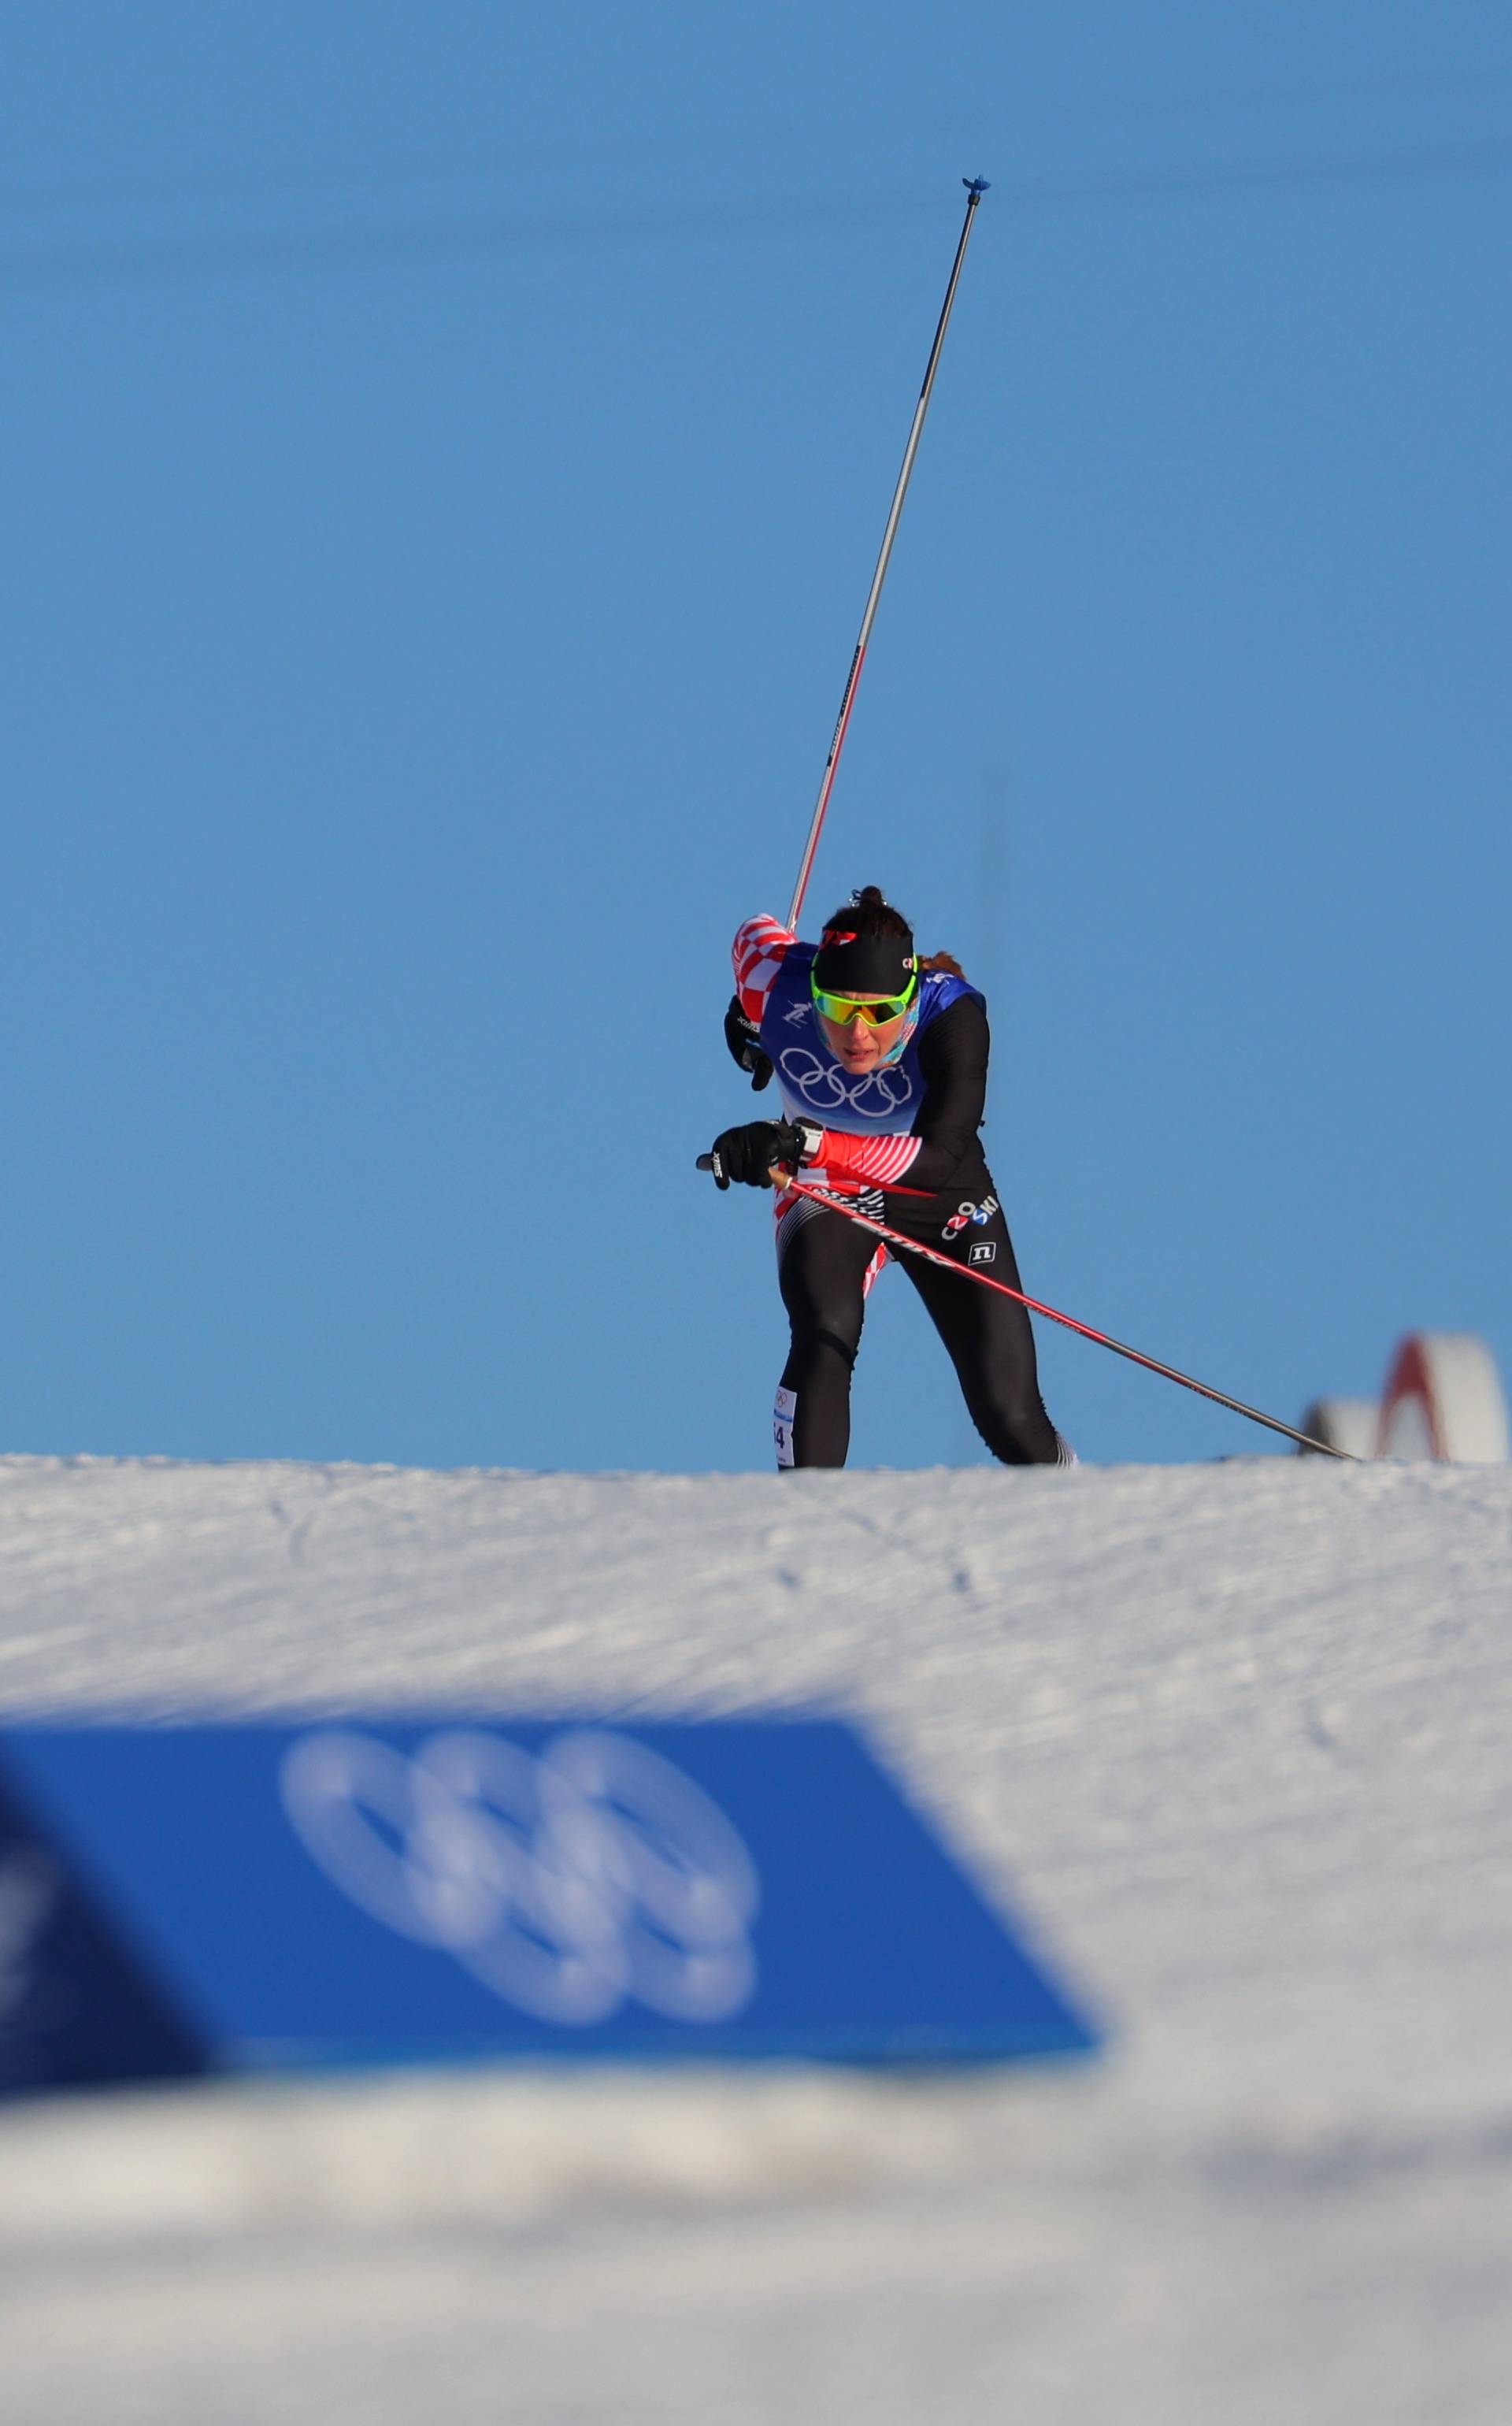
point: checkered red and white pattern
(759, 948)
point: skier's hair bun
(870, 912)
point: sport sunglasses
(878, 1011)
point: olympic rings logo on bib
(821, 1085)
(569, 1883)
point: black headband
(847, 962)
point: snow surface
(1234, 1737)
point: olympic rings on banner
(569, 1883)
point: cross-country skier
(880, 1058)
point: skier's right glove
(748, 1153)
(744, 1038)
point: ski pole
(975, 189)
(1100, 1338)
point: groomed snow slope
(1234, 1737)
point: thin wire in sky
(228, 180)
(240, 250)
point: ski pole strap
(1099, 1338)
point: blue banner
(181, 1898)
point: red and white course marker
(1444, 1401)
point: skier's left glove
(744, 1038)
(748, 1153)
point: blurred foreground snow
(1236, 1738)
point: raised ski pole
(975, 189)
(1099, 1338)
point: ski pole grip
(705, 1162)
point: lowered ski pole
(1099, 1338)
(975, 189)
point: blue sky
(446, 452)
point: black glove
(748, 1153)
(742, 1036)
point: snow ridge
(1234, 1737)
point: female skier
(880, 1058)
